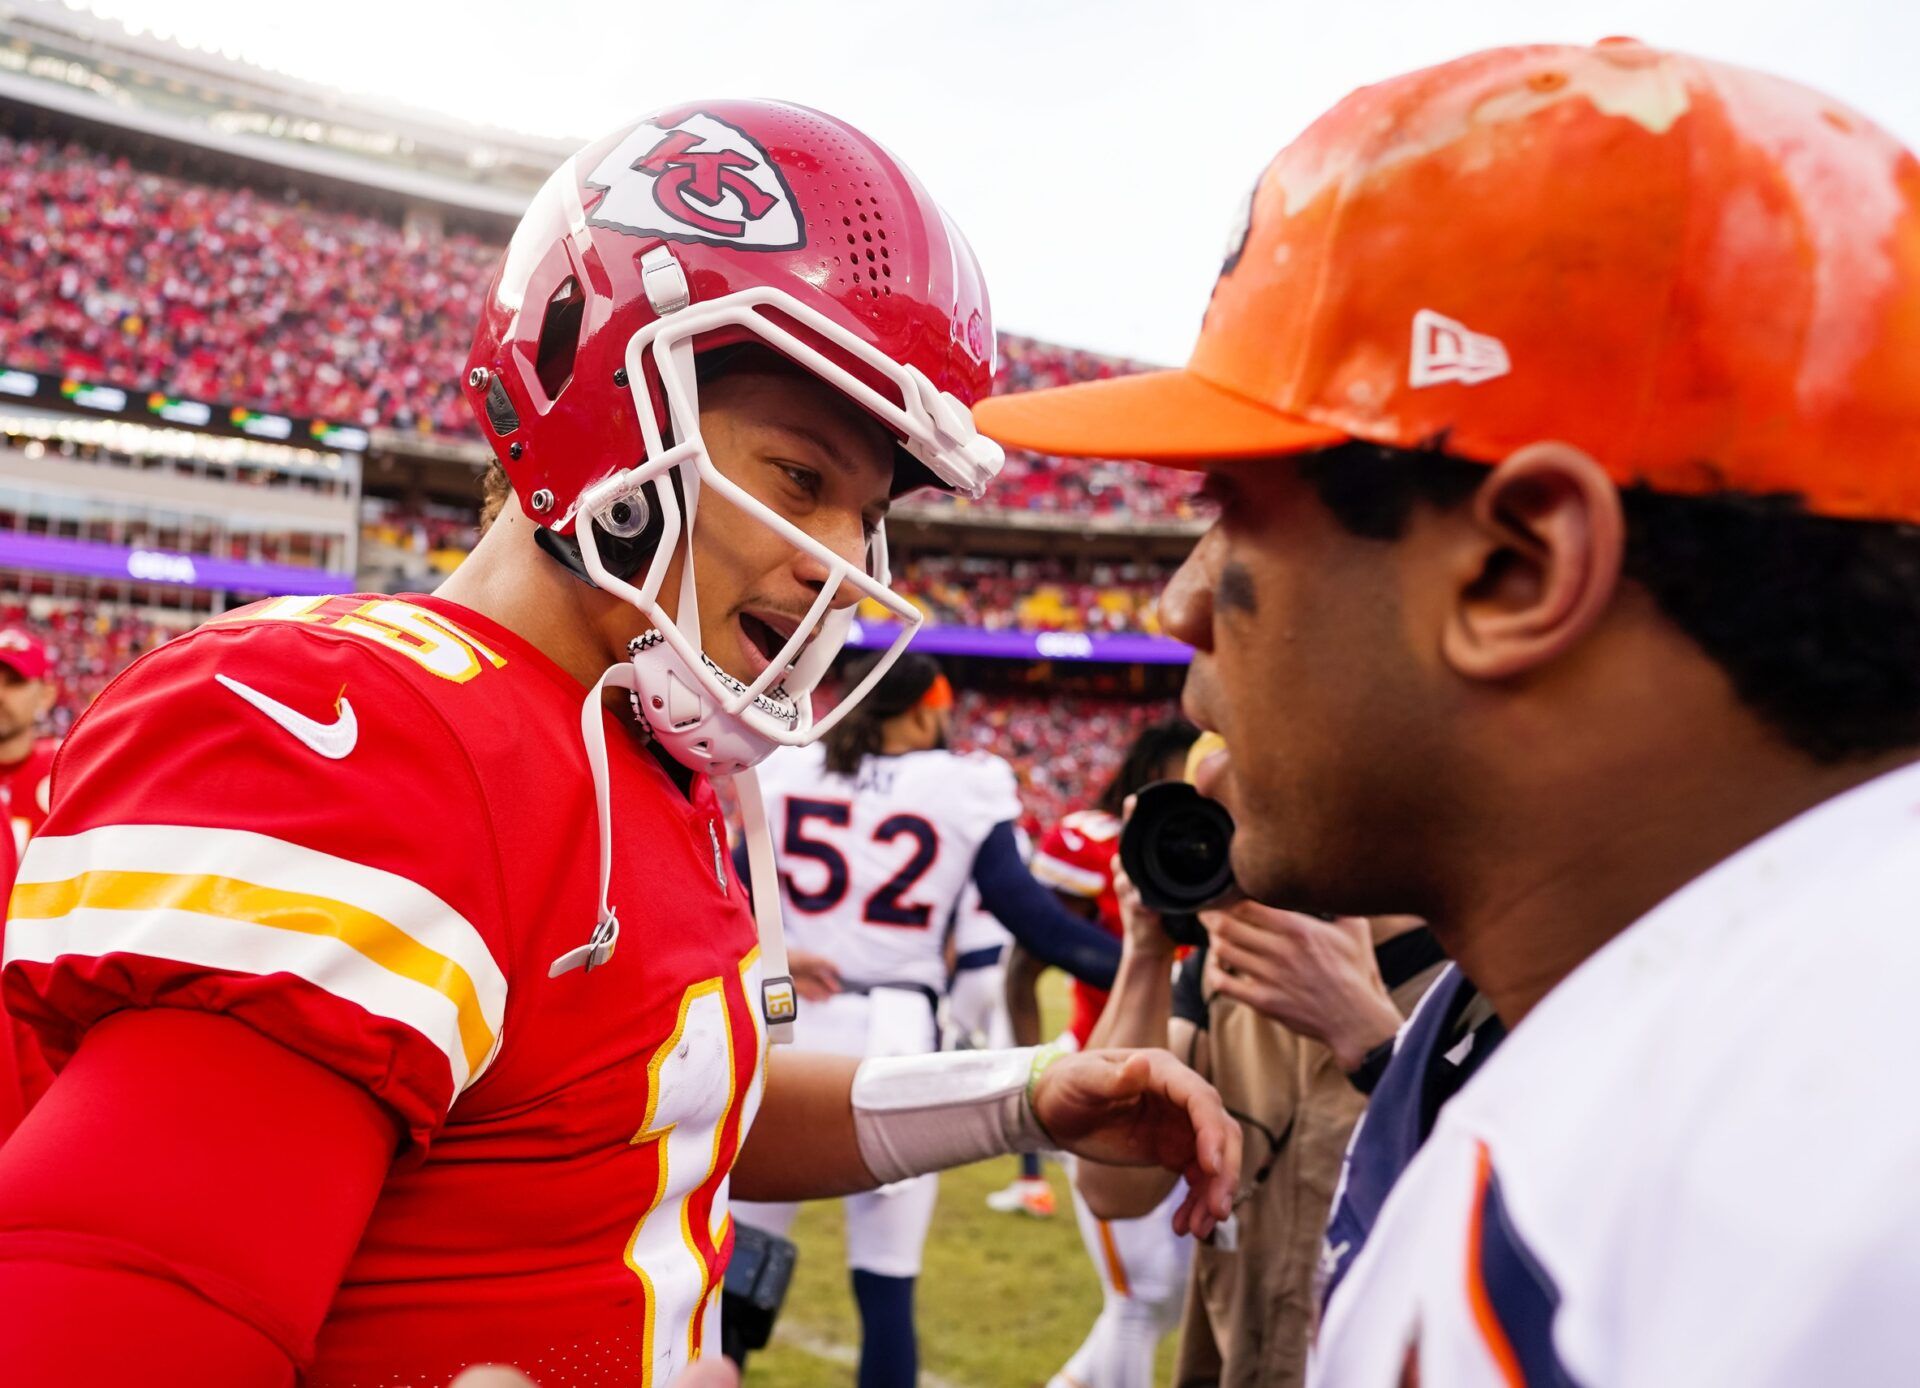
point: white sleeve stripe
(212, 942)
(183, 850)
(1078, 880)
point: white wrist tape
(919, 1113)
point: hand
(1144, 1108)
(814, 975)
(713, 1372)
(1313, 976)
(1140, 923)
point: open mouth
(764, 639)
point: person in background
(1141, 1263)
(1029, 1192)
(878, 830)
(1075, 858)
(978, 946)
(1288, 1013)
(27, 691)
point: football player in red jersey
(26, 758)
(412, 1016)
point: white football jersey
(1694, 1162)
(872, 866)
(975, 928)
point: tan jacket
(1250, 1312)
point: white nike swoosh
(331, 740)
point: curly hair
(1815, 621)
(494, 491)
(1151, 750)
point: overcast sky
(1094, 152)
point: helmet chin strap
(778, 1004)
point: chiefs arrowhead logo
(699, 179)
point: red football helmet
(701, 227)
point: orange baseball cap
(1707, 278)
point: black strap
(1407, 956)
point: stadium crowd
(1058, 746)
(412, 547)
(427, 541)
(234, 295)
(1031, 594)
(1062, 749)
(90, 643)
(229, 294)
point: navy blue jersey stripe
(1519, 1292)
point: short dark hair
(1141, 765)
(1814, 620)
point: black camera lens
(1177, 848)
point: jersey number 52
(887, 904)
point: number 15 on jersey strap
(696, 1119)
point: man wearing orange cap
(1562, 407)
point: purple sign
(50, 555)
(1118, 648)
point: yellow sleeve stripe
(1066, 877)
(234, 900)
(251, 903)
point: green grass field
(1004, 1300)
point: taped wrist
(921, 1113)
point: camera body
(757, 1279)
(1177, 848)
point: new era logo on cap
(1445, 351)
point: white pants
(1143, 1282)
(886, 1228)
(977, 1008)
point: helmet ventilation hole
(559, 338)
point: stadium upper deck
(97, 75)
(268, 290)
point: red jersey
(24, 1076)
(26, 789)
(1075, 858)
(364, 826)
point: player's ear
(1534, 563)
